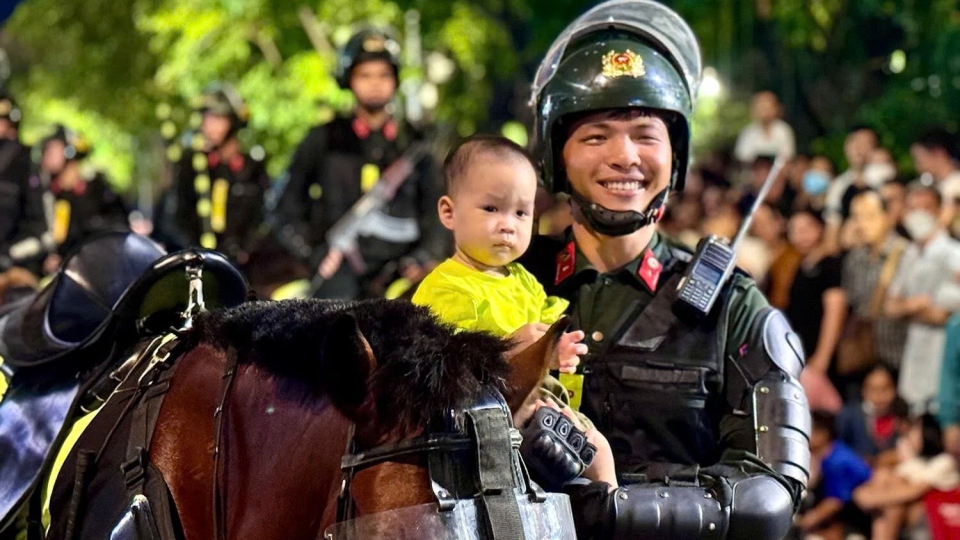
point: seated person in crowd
(894, 492)
(869, 425)
(837, 472)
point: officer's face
(215, 128)
(490, 210)
(53, 159)
(373, 83)
(619, 159)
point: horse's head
(429, 407)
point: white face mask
(920, 224)
(876, 174)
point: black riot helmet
(621, 54)
(223, 100)
(367, 44)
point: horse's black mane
(423, 369)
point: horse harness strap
(354, 461)
(495, 449)
(144, 406)
(152, 385)
(219, 505)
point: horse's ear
(346, 364)
(529, 367)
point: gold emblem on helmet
(623, 64)
(374, 44)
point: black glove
(554, 450)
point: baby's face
(493, 210)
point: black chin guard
(620, 223)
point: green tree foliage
(105, 67)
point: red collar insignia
(236, 162)
(566, 262)
(363, 130)
(390, 130)
(649, 270)
(78, 189)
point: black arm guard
(764, 383)
(554, 450)
(750, 508)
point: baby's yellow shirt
(472, 300)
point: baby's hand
(569, 350)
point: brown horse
(307, 372)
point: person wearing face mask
(814, 183)
(924, 294)
(880, 168)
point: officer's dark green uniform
(217, 201)
(706, 418)
(339, 161)
(23, 225)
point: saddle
(113, 282)
(111, 292)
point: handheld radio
(714, 260)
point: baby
(491, 183)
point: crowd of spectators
(866, 266)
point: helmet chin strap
(620, 223)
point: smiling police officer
(705, 416)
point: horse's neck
(282, 460)
(183, 438)
(281, 456)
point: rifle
(343, 234)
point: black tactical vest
(656, 391)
